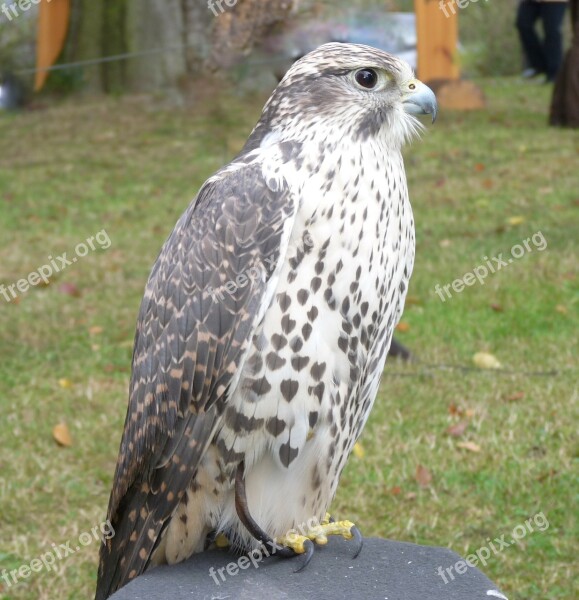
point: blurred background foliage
(488, 41)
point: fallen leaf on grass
(497, 307)
(518, 220)
(459, 411)
(445, 243)
(396, 490)
(69, 289)
(358, 450)
(548, 475)
(61, 435)
(410, 496)
(471, 446)
(95, 330)
(458, 429)
(65, 383)
(453, 409)
(561, 309)
(423, 476)
(484, 360)
(514, 397)
(403, 327)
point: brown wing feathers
(188, 346)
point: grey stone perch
(384, 570)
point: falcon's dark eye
(367, 78)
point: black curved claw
(250, 524)
(281, 551)
(358, 540)
(309, 546)
(209, 539)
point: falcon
(266, 321)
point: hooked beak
(421, 101)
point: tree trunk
(238, 29)
(170, 39)
(155, 28)
(113, 42)
(565, 101)
(84, 39)
(198, 24)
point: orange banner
(52, 27)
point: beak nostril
(421, 101)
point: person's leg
(527, 16)
(552, 14)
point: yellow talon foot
(294, 541)
(221, 541)
(318, 534)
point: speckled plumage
(267, 318)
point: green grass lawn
(480, 183)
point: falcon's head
(350, 90)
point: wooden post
(438, 64)
(52, 27)
(437, 34)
